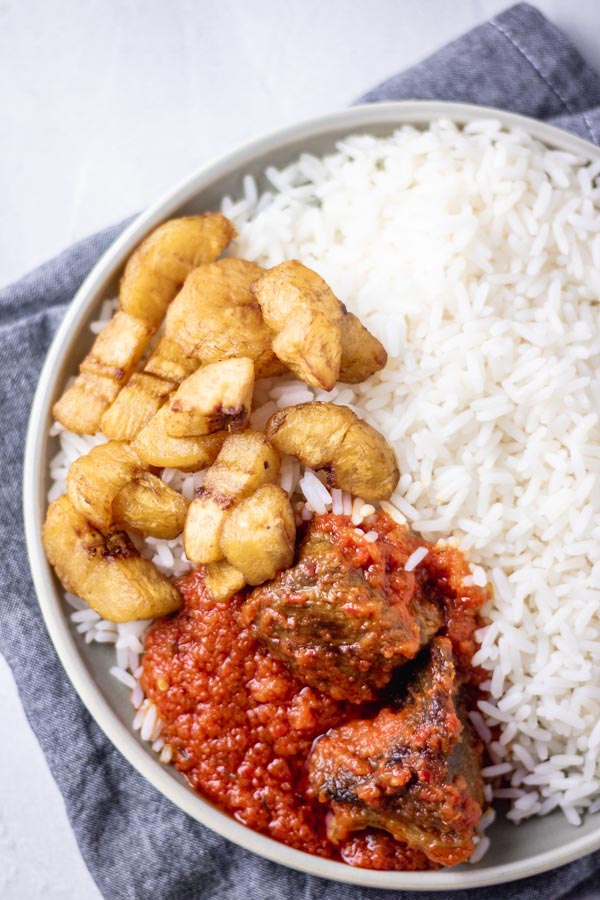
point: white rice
(416, 557)
(474, 256)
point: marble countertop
(104, 106)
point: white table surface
(103, 106)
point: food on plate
(413, 770)
(245, 462)
(155, 446)
(347, 615)
(169, 362)
(248, 730)
(94, 480)
(152, 277)
(148, 506)
(104, 371)
(203, 526)
(325, 436)
(305, 316)
(217, 397)
(258, 535)
(362, 353)
(105, 569)
(239, 724)
(146, 391)
(140, 399)
(470, 253)
(158, 267)
(324, 636)
(215, 316)
(223, 580)
(314, 334)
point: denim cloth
(135, 842)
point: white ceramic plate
(534, 846)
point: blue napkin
(136, 844)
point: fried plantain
(104, 371)
(246, 461)
(168, 361)
(105, 570)
(135, 405)
(218, 397)
(159, 266)
(222, 580)
(190, 454)
(356, 457)
(306, 316)
(94, 480)
(215, 316)
(258, 535)
(83, 404)
(146, 391)
(202, 531)
(148, 506)
(362, 353)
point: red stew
(241, 725)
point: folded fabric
(134, 841)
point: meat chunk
(413, 771)
(338, 629)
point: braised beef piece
(412, 770)
(337, 630)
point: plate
(537, 844)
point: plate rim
(34, 500)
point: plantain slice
(362, 353)
(133, 408)
(150, 507)
(159, 266)
(218, 397)
(203, 525)
(146, 391)
(246, 461)
(222, 580)
(105, 570)
(315, 336)
(190, 454)
(258, 535)
(94, 480)
(305, 316)
(326, 436)
(81, 407)
(168, 361)
(105, 370)
(215, 316)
